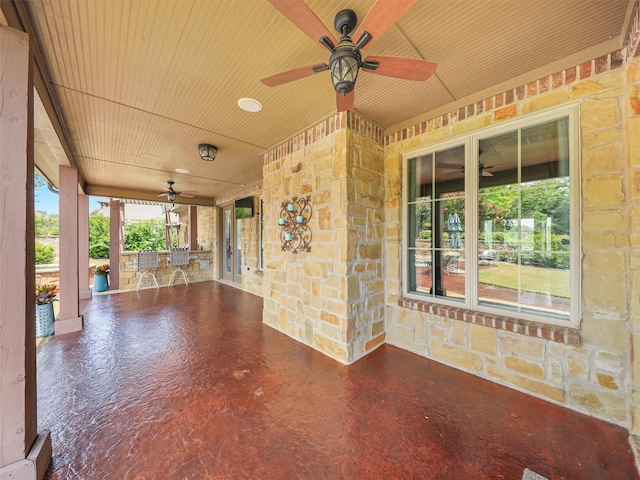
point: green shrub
(44, 254)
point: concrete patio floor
(187, 383)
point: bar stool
(147, 259)
(177, 258)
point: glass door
(230, 252)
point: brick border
(605, 63)
(341, 120)
(570, 336)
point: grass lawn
(531, 279)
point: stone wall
(196, 270)
(592, 369)
(332, 297)
(208, 236)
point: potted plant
(100, 280)
(46, 294)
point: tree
(46, 224)
(44, 254)
(145, 235)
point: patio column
(193, 227)
(83, 247)
(69, 318)
(24, 453)
(116, 241)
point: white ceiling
(138, 84)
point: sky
(46, 201)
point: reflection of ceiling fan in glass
(481, 167)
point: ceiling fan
(171, 194)
(345, 60)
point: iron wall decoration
(295, 233)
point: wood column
(83, 247)
(24, 453)
(69, 319)
(116, 241)
(193, 227)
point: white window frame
(471, 301)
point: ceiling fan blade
(290, 75)
(345, 102)
(185, 194)
(163, 194)
(486, 174)
(381, 17)
(303, 17)
(405, 68)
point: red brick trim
(605, 63)
(570, 336)
(341, 120)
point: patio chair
(147, 259)
(450, 262)
(178, 258)
(488, 256)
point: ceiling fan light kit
(171, 194)
(345, 60)
(207, 152)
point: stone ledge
(570, 336)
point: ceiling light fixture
(249, 105)
(207, 152)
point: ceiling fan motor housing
(345, 19)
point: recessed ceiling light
(249, 105)
(182, 170)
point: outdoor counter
(199, 269)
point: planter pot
(100, 283)
(44, 320)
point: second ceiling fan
(345, 60)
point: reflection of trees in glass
(514, 211)
(540, 200)
(423, 218)
(537, 212)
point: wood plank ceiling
(140, 83)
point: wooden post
(69, 318)
(116, 241)
(83, 247)
(24, 453)
(193, 227)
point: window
(492, 220)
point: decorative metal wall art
(295, 233)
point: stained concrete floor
(187, 383)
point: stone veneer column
(330, 298)
(69, 318)
(632, 112)
(24, 453)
